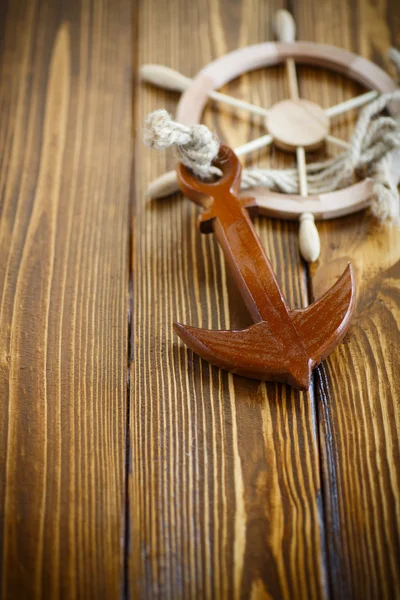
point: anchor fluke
(256, 353)
(325, 322)
(251, 352)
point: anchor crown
(219, 196)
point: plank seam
(321, 498)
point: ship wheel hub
(294, 123)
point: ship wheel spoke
(285, 29)
(256, 144)
(292, 79)
(242, 104)
(169, 79)
(302, 170)
(337, 142)
(356, 102)
(309, 241)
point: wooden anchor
(283, 344)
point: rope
(197, 146)
(373, 140)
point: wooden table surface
(128, 467)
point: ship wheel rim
(238, 62)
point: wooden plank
(358, 386)
(65, 145)
(224, 489)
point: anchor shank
(227, 216)
(253, 271)
(248, 263)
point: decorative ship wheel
(295, 124)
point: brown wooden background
(129, 468)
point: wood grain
(64, 180)
(236, 489)
(358, 387)
(225, 490)
(225, 485)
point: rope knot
(197, 146)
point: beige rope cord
(374, 139)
